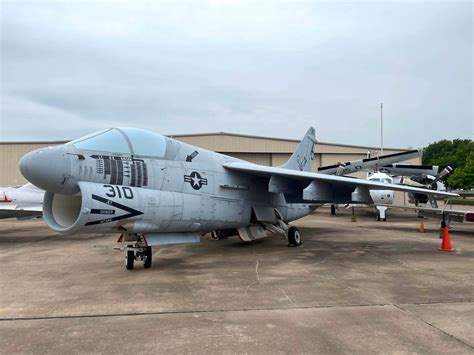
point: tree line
(459, 154)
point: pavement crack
(314, 264)
(188, 284)
(286, 296)
(407, 312)
(79, 316)
(354, 288)
(404, 264)
(256, 271)
(256, 282)
(260, 282)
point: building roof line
(275, 138)
(34, 142)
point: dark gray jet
(155, 190)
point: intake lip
(62, 213)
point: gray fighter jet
(155, 190)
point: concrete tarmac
(365, 287)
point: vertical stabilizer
(302, 158)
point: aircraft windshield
(384, 180)
(145, 143)
(109, 140)
(133, 141)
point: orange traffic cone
(422, 228)
(446, 243)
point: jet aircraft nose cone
(47, 168)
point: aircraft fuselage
(185, 190)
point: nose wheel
(142, 254)
(136, 249)
(129, 259)
(148, 257)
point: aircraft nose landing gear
(136, 253)
(148, 256)
(135, 248)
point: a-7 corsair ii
(155, 190)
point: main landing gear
(291, 233)
(294, 237)
(136, 249)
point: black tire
(129, 259)
(148, 258)
(294, 237)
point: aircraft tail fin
(302, 158)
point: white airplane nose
(46, 168)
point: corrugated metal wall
(10, 154)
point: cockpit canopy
(124, 140)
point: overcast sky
(262, 68)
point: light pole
(381, 128)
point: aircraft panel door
(229, 210)
(173, 178)
(209, 188)
(208, 208)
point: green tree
(463, 178)
(455, 154)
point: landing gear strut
(135, 248)
(381, 215)
(281, 227)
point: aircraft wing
(368, 163)
(438, 213)
(20, 212)
(321, 187)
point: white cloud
(252, 67)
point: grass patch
(463, 201)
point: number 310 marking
(114, 191)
